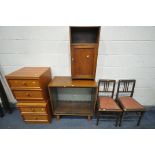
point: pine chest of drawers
(29, 87)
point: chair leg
(97, 118)
(117, 119)
(140, 117)
(121, 118)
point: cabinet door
(83, 59)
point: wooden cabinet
(29, 87)
(72, 105)
(84, 42)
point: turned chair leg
(140, 118)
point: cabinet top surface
(26, 72)
(66, 81)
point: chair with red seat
(125, 99)
(105, 103)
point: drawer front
(35, 117)
(33, 107)
(28, 94)
(32, 110)
(24, 83)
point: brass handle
(27, 94)
(24, 83)
(72, 59)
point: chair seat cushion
(108, 104)
(130, 104)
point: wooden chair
(125, 99)
(105, 103)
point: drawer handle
(33, 109)
(27, 94)
(42, 109)
(24, 83)
(35, 118)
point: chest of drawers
(29, 87)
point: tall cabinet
(84, 42)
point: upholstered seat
(130, 104)
(108, 104)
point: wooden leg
(117, 119)
(89, 118)
(140, 117)
(121, 119)
(97, 121)
(58, 117)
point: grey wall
(124, 52)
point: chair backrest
(106, 87)
(125, 87)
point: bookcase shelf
(84, 34)
(72, 106)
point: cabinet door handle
(87, 56)
(72, 59)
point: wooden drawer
(32, 110)
(32, 107)
(28, 94)
(36, 118)
(24, 83)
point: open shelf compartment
(63, 105)
(73, 108)
(84, 34)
